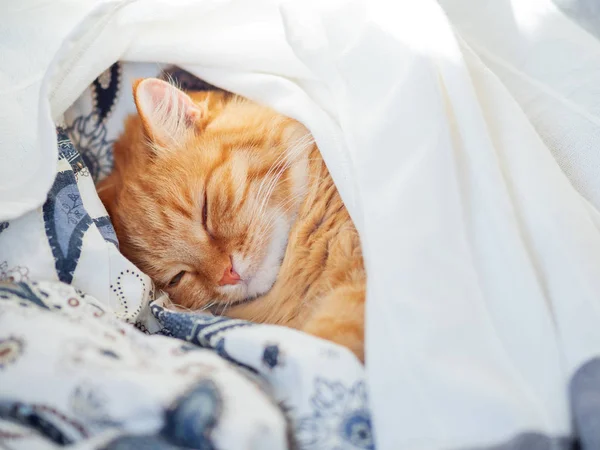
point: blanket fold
(462, 138)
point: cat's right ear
(168, 114)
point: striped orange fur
(207, 184)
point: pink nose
(230, 276)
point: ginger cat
(228, 206)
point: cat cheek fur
(259, 269)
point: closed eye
(205, 211)
(176, 279)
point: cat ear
(168, 114)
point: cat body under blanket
(228, 206)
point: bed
(462, 137)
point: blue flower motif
(89, 135)
(356, 429)
(271, 356)
(339, 419)
(66, 221)
(3, 226)
(191, 421)
(21, 291)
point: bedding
(462, 137)
(72, 374)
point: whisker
(275, 179)
(170, 305)
(292, 153)
(208, 306)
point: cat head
(204, 192)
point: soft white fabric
(550, 66)
(470, 180)
(30, 37)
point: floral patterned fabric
(71, 373)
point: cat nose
(230, 276)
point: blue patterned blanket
(70, 373)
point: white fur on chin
(259, 281)
(266, 274)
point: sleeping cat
(228, 206)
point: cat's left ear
(168, 114)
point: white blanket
(463, 142)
